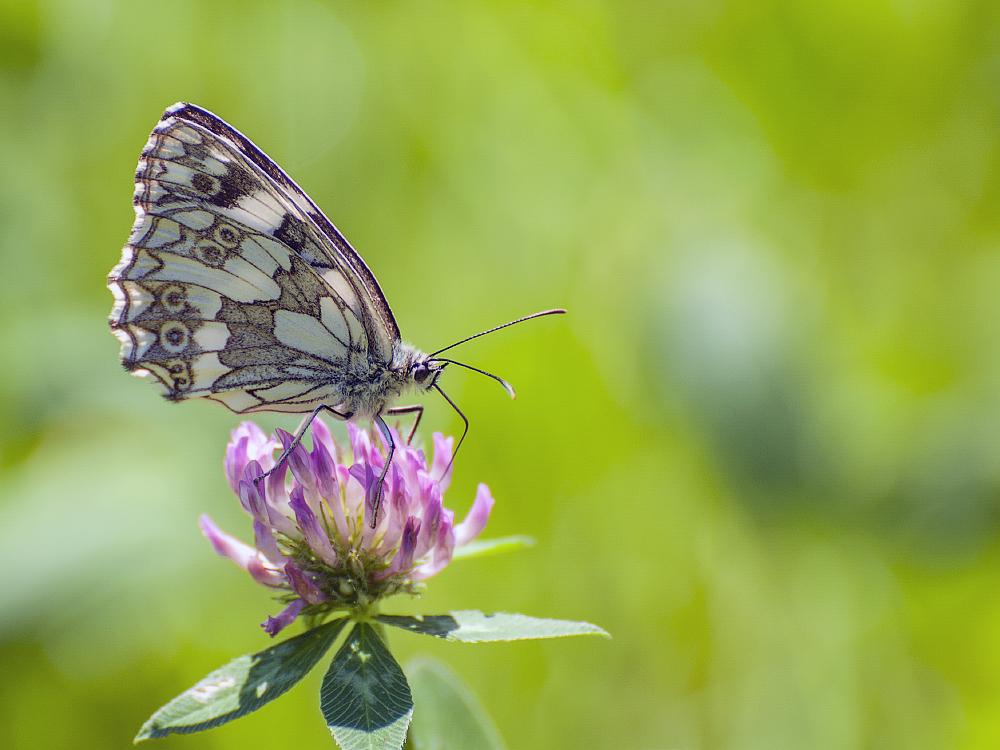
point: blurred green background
(761, 450)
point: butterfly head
(424, 372)
(411, 368)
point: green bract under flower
(315, 543)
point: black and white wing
(234, 286)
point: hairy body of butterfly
(235, 287)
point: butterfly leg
(387, 435)
(464, 432)
(384, 429)
(417, 409)
(287, 450)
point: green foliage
(485, 547)
(474, 627)
(447, 713)
(243, 685)
(365, 699)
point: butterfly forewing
(234, 286)
(332, 257)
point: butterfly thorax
(375, 391)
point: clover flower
(314, 543)
(325, 553)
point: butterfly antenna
(557, 311)
(465, 432)
(506, 386)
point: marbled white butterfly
(235, 287)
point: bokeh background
(762, 450)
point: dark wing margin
(214, 124)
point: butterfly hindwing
(234, 286)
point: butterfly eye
(420, 372)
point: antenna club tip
(509, 388)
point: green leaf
(484, 547)
(448, 715)
(472, 627)
(243, 685)
(365, 699)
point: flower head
(314, 541)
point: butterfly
(235, 287)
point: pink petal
(264, 573)
(442, 466)
(429, 528)
(248, 443)
(475, 521)
(259, 506)
(266, 543)
(321, 436)
(314, 532)
(275, 625)
(226, 545)
(361, 444)
(403, 560)
(302, 585)
(326, 470)
(236, 460)
(242, 554)
(442, 555)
